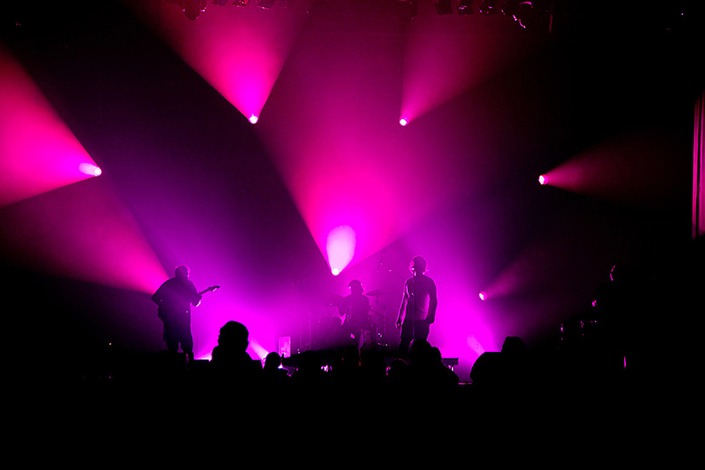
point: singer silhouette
(419, 303)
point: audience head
(234, 334)
(273, 360)
(513, 345)
(420, 352)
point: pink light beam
(340, 248)
(239, 51)
(447, 55)
(38, 152)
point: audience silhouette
(309, 378)
(346, 369)
(426, 367)
(276, 380)
(231, 366)
(397, 375)
(504, 374)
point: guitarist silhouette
(174, 299)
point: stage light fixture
(487, 7)
(508, 7)
(443, 7)
(523, 13)
(90, 169)
(241, 3)
(465, 7)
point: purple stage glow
(375, 140)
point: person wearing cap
(356, 323)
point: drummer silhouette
(355, 310)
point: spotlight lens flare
(90, 169)
(340, 248)
(542, 180)
(253, 119)
(403, 121)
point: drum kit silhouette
(328, 328)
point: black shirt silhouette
(174, 299)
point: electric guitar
(209, 289)
(165, 314)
